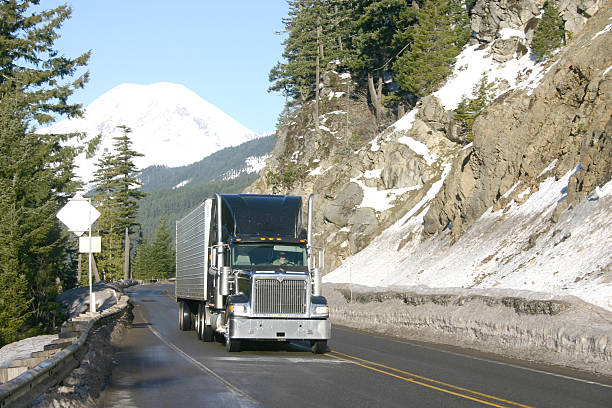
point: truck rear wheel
(205, 331)
(184, 316)
(318, 346)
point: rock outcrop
(365, 180)
(567, 118)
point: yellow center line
(353, 359)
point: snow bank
(518, 324)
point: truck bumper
(279, 329)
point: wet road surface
(160, 366)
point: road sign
(78, 215)
(96, 244)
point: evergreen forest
(395, 50)
(36, 171)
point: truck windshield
(290, 257)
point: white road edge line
(201, 366)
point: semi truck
(247, 270)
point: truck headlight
(239, 309)
(321, 310)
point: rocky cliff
(547, 119)
(566, 120)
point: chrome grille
(276, 296)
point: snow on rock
(171, 125)
(315, 172)
(507, 33)
(406, 121)
(380, 200)
(419, 148)
(475, 61)
(525, 250)
(602, 32)
(372, 174)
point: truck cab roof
(257, 217)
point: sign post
(78, 215)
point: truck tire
(197, 322)
(232, 345)
(318, 346)
(184, 316)
(205, 331)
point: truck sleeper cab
(246, 270)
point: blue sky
(221, 50)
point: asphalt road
(160, 366)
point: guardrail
(27, 387)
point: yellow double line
(461, 392)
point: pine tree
(143, 264)
(470, 108)
(315, 29)
(29, 64)
(162, 251)
(549, 34)
(35, 178)
(376, 24)
(36, 171)
(156, 260)
(438, 31)
(295, 77)
(117, 196)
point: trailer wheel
(232, 345)
(318, 346)
(184, 316)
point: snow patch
(473, 62)
(507, 33)
(507, 193)
(419, 148)
(406, 121)
(315, 172)
(371, 174)
(380, 200)
(252, 164)
(181, 184)
(548, 168)
(602, 32)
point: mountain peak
(171, 125)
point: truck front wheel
(318, 346)
(232, 345)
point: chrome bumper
(279, 329)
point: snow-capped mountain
(171, 125)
